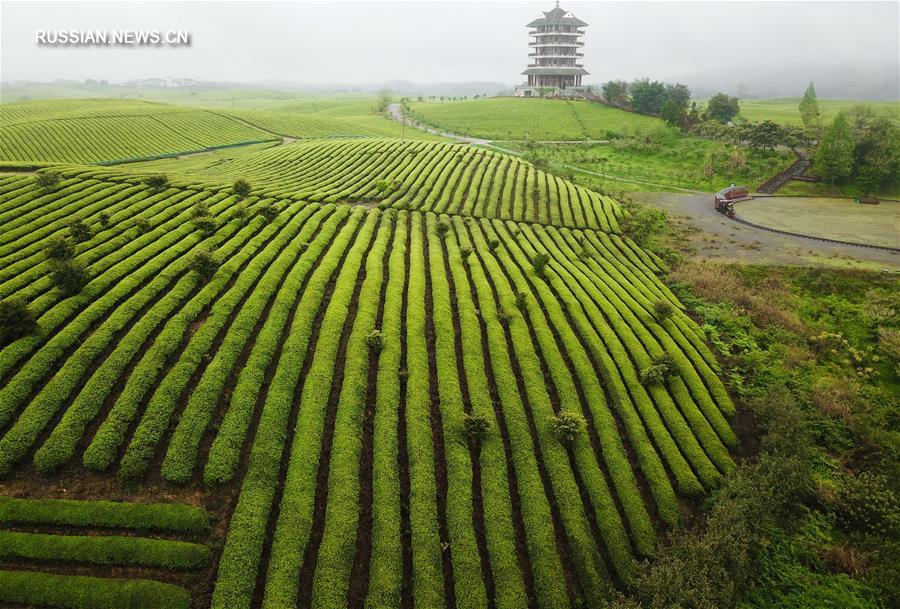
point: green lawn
(841, 219)
(786, 110)
(664, 158)
(508, 118)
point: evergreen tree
(834, 155)
(809, 107)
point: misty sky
(351, 42)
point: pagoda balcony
(555, 65)
(555, 55)
(544, 43)
(556, 32)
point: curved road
(712, 235)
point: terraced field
(315, 383)
(119, 130)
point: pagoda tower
(555, 52)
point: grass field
(840, 219)
(335, 459)
(786, 110)
(509, 118)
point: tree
(616, 93)
(385, 96)
(809, 107)
(58, 248)
(673, 114)
(68, 275)
(15, 320)
(157, 182)
(834, 155)
(647, 97)
(722, 107)
(765, 135)
(877, 155)
(679, 94)
(241, 188)
(80, 231)
(47, 180)
(204, 265)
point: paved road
(715, 237)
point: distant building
(555, 52)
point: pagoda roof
(557, 16)
(554, 71)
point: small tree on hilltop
(58, 248)
(157, 182)
(79, 231)
(16, 320)
(241, 188)
(566, 426)
(68, 275)
(47, 180)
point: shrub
(476, 425)
(539, 263)
(204, 265)
(493, 244)
(79, 231)
(521, 300)
(206, 224)
(503, 317)
(567, 426)
(653, 375)
(47, 180)
(68, 275)
(442, 229)
(269, 212)
(199, 209)
(142, 224)
(58, 248)
(866, 503)
(16, 320)
(375, 340)
(239, 213)
(103, 217)
(241, 188)
(465, 251)
(663, 309)
(157, 182)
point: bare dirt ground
(712, 236)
